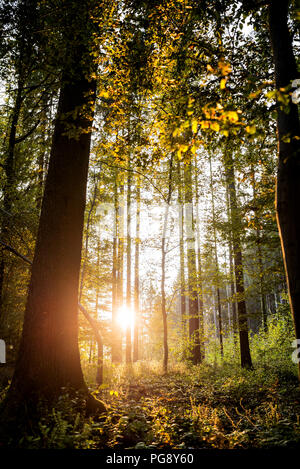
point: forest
(149, 224)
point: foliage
(206, 406)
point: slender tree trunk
(191, 263)
(116, 348)
(288, 173)
(120, 269)
(181, 253)
(163, 291)
(231, 270)
(220, 325)
(100, 356)
(199, 276)
(128, 275)
(163, 271)
(87, 237)
(137, 274)
(260, 259)
(246, 361)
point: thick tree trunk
(246, 361)
(49, 360)
(288, 175)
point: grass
(206, 406)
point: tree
(194, 325)
(246, 361)
(288, 174)
(48, 359)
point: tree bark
(116, 347)
(191, 264)
(128, 274)
(288, 173)
(199, 273)
(163, 271)
(246, 361)
(220, 325)
(48, 360)
(181, 253)
(137, 275)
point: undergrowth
(213, 405)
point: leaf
(223, 83)
(194, 125)
(225, 67)
(251, 129)
(232, 116)
(104, 94)
(215, 126)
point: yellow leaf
(104, 94)
(251, 129)
(223, 83)
(194, 125)
(233, 116)
(215, 126)
(204, 124)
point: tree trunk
(128, 274)
(48, 360)
(288, 173)
(181, 253)
(163, 292)
(137, 275)
(163, 271)
(246, 361)
(117, 358)
(191, 263)
(260, 258)
(116, 347)
(220, 325)
(231, 271)
(199, 273)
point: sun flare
(125, 317)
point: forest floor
(207, 407)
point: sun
(125, 317)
